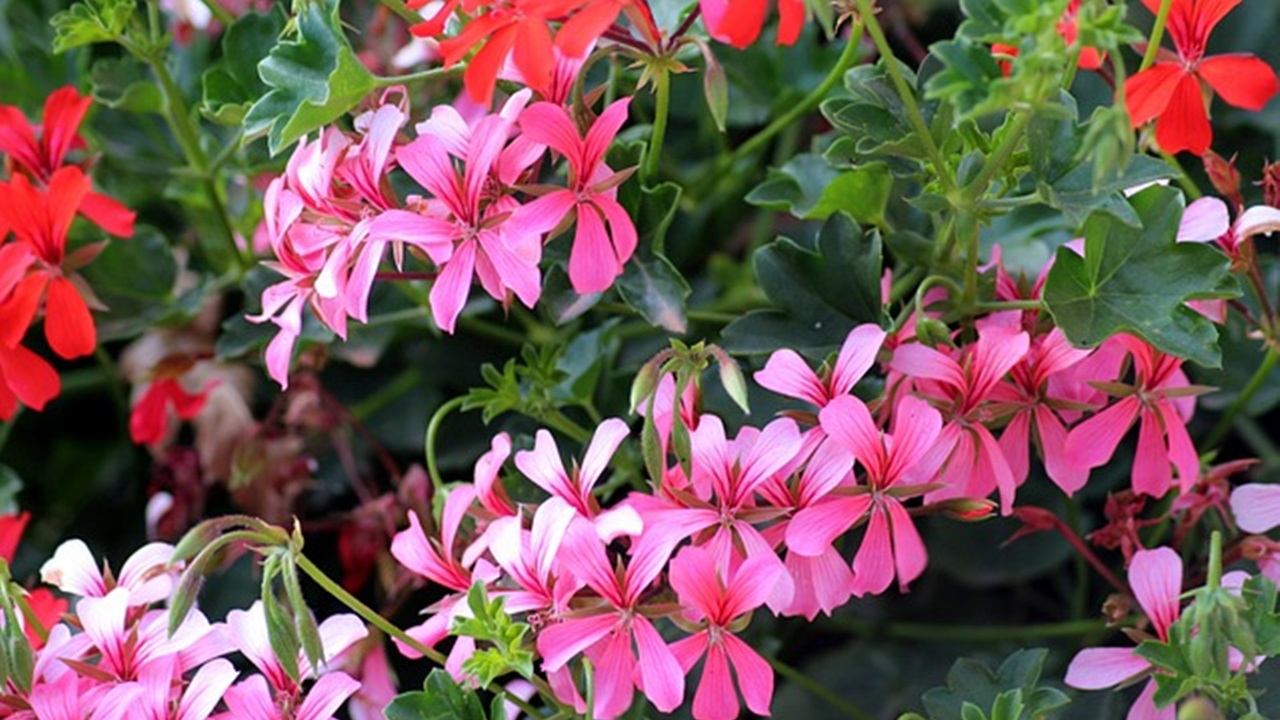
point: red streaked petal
(67, 322)
(1244, 81)
(1148, 93)
(1184, 125)
(63, 112)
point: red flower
(46, 607)
(1171, 91)
(40, 220)
(11, 528)
(149, 420)
(63, 111)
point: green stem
(1184, 179)
(432, 74)
(402, 11)
(1242, 400)
(433, 427)
(755, 142)
(1157, 34)
(369, 614)
(820, 690)
(7, 427)
(653, 157)
(997, 306)
(1215, 560)
(908, 97)
(389, 393)
(938, 632)
(561, 423)
(996, 162)
(220, 13)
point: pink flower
(1256, 507)
(1161, 399)
(152, 697)
(544, 467)
(248, 630)
(786, 373)
(977, 464)
(145, 577)
(483, 243)
(598, 254)
(126, 647)
(719, 601)
(252, 700)
(1156, 578)
(529, 558)
(892, 546)
(625, 649)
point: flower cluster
(115, 656)
(38, 272)
(332, 216)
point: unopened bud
(1199, 708)
(1033, 520)
(966, 509)
(1271, 184)
(1224, 176)
(932, 332)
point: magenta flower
(907, 456)
(1156, 578)
(977, 464)
(126, 647)
(1162, 400)
(598, 254)
(625, 649)
(528, 557)
(483, 243)
(152, 697)
(786, 373)
(720, 601)
(544, 467)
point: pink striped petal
(662, 679)
(452, 286)
(814, 528)
(561, 642)
(327, 695)
(716, 698)
(1156, 578)
(786, 373)
(1151, 473)
(1099, 668)
(1092, 443)
(909, 555)
(604, 443)
(873, 566)
(919, 361)
(755, 677)
(857, 355)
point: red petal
(1242, 80)
(11, 527)
(741, 23)
(1185, 124)
(791, 17)
(18, 312)
(28, 376)
(63, 112)
(67, 322)
(1148, 93)
(18, 139)
(482, 72)
(108, 214)
(585, 27)
(67, 189)
(533, 54)
(148, 420)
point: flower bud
(1271, 184)
(1199, 708)
(1224, 176)
(966, 509)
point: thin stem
(685, 24)
(1083, 548)
(1242, 400)
(432, 74)
(653, 157)
(820, 690)
(996, 162)
(220, 13)
(402, 11)
(561, 423)
(370, 615)
(1184, 179)
(1215, 560)
(755, 142)
(939, 632)
(433, 428)
(997, 306)
(7, 427)
(1157, 34)
(907, 95)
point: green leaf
(134, 278)
(440, 699)
(808, 187)
(1136, 280)
(820, 292)
(124, 83)
(232, 85)
(1078, 193)
(650, 284)
(967, 78)
(315, 79)
(1009, 691)
(91, 21)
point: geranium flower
(1171, 91)
(149, 419)
(786, 373)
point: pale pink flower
(248, 631)
(145, 577)
(907, 456)
(1162, 405)
(1156, 579)
(377, 685)
(598, 254)
(625, 649)
(488, 483)
(786, 373)
(962, 389)
(719, 601)
(1256, 507)
(154, 697)
(253, 700)
(125, 647)
(528, 557)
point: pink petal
(1204, 220)
(1092, 443)
(909, 554)
(205, 690)
(452, 286)
(1151, 473)
(813, 529)
(593, 264)
(919, 361)
(1256, 507)
(1258, 220)
(822, 583)
(1144, 708)
(873, 566)
(604, 443)
(550, 125)
(857, 355)
(1099, 668)
(559, 643)
(1156, 578)
(251, 700)
(847, 421)
(755, 677)
(614, 676)
(660, 673)
(787, 374)
(1015, 443)
(601, 135)
(1182, 452)
(918, 446)
(716, 698)
(695, 579)
(1053, 441)
(544, 467)
(621, 230)
(327, 695)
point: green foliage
(135, 279)
(1137, 280)
(650, 284)
(819, 291)
(91, 21)
(314, 79)
(808, 187)
(875, 119)
(1012, 692)
(442, 699)
(125, 83)
(232, 85)
(490, 623)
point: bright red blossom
(1171, 91)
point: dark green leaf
(232, 85)
(315, 79)
(440, 699)
(650, 284)
(124, 83)
(134, 278)
(1077, 194)
(808, 187)
(1136, 280)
